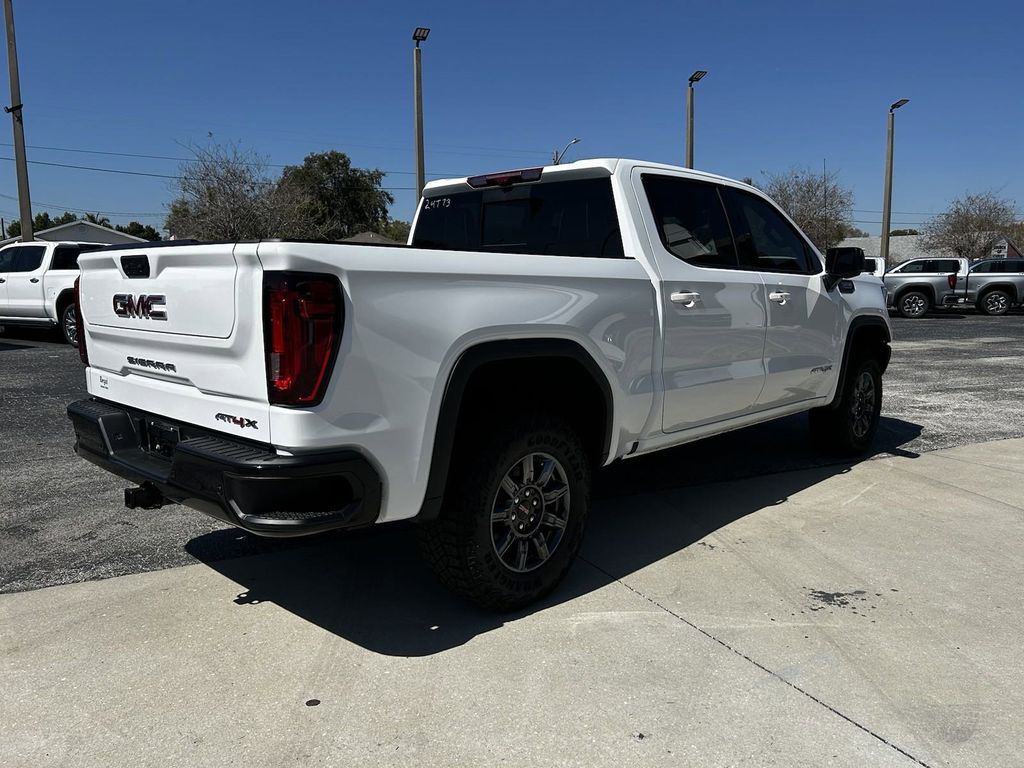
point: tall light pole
(24, 202)
(419, 35)
(887, 199)
(556, 156)
(689, 115)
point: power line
(173, 158)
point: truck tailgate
(178, 331)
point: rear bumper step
(245, 484)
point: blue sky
(789, 84)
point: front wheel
(514, 513)
(69, 325)
(913, 304)
(995, 302)
(849, 427)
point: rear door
(802, 344)
(714, 315)
(25, 282)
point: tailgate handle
(135, 266)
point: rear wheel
(849, 427)
(69, 324)
(514, 513)
(996, 302)
(913, 304)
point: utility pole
(24, 202)
(419, 35)
(887, 198)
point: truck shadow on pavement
(371, 588)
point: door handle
(779, 297)
(34, 280)
(686, 298)
(3, 279)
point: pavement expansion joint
(759, 665)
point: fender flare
(465, 366)
(856, 325)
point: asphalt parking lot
(739, 601)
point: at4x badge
(239, 420)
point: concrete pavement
(847, 616)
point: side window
(869, 265)
(1015, 265)
(65, 257)
(913, 266)
(985, 266)
(28, 258)
(690, 220)
(765, 241)
(944, 265)
(7, 258)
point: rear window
(65, 257)
(557, 218)
(870, 265)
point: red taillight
(505, 178)
(951, 279)
(301, 328)
(80, 325)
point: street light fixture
(887, 199)
(419, 35)
(689, 115)
(557, 157)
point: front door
(713, 313)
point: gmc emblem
(146, 307)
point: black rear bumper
(245, 484)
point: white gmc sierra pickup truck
(540, 323)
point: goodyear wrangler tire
(514, 513)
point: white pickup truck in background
(37, 284)
(540, 324)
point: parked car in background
(37, 284)
(993, 286)
(918, 285)
(873, 265)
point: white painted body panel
(411, 313)
(25, 300)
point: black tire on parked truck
(514, 513)
(848, 427)
(913, 304)
(995, 302)
(69, 324)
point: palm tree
(95, 218)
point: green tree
(395, 229)
(95, 218)
(40, 222)
(345, 200)
(135, 229)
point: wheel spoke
(552, 520)
(541, 545)
(501, 515)
(555, 495)
(509, 486)
(506, 545)
(546, 471)
(524, 552)
(528, 469)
